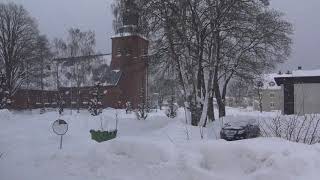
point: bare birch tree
(78, 44)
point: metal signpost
(60, 127)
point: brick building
(123, 74)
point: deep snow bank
(5, 114)
(155, 149)
(131, 158)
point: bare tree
(18, 39)
(248, 38)
(259, 94)
(207, 43)
(239, 89)
(78, 44)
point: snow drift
(5, 114)
(155, 149)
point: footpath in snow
(155, 149)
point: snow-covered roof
(269, 82)
(127, 34)
(303, 73)
(300, 76)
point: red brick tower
(130, 55)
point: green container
(101, 136)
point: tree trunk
(224, 94)
(220, 102)
(205, 108)
(260, 100)
(42, 84)
(211, 109)
(195, 115)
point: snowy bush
(95, 106)
(143, 108)
(302, 129)
(5, 114)
(128, 107)
(171, 112)
(60, 104)
(142, 112)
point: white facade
(307, 98)
(271, 94)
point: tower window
(118, 52)
(128, 52)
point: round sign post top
(60, 127)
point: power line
(80, 58)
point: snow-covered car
(238, 131)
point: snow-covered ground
(155, 149)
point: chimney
(299, 67)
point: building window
(129, 52)
(38, 99)
(118, 52)
(272, 105)
(272, 84)
(144, 51)
(272, 95)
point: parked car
(238, 131)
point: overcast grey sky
(56, 16)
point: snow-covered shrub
(60, 104)
(128, 107)
(171, 112)
(302, 129)
(42, 110)
(148, 105)
(95, 105)
(5, 114)
(142, 112)
(143, 109)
